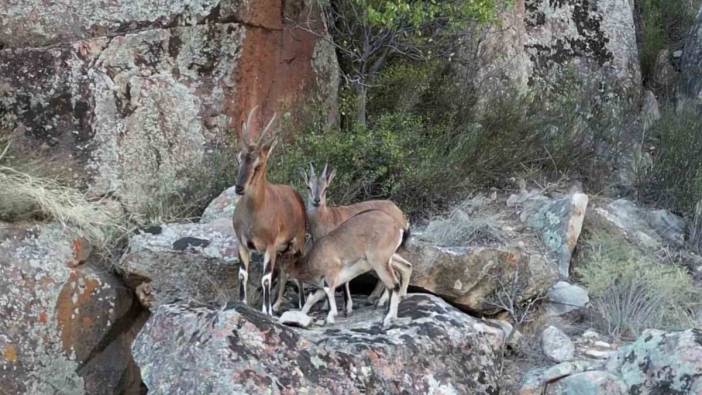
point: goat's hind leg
(387, 276)
(330, 289)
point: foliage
(675, 177)
(367, 33)
(664, 24)
(632, 292)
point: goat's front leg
(330, 289)
(282, 282)
(312, 299)
(348, 302)
(244, 259)
(268, 266)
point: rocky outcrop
(656, 363)
(691, 63)
(137, 100)
(67, 324)
(536, 41)
(191, 349)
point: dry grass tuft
(465, 225)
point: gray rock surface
(691, 63)
(656, 363)
(191, 349)
(137, 99)
(557, 345)
(222, 207)
(564, 297)
(66, 323)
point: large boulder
(656, 363)
(137, 100)
(67, 325)
(191, 349)
(489, 253)
(541, 41)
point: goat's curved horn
(246, 126)
(267, 129)
(312, 172)
(324, 172)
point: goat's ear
(330, 176)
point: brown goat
(268, 218)
(366, 241)
(324, 219)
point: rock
(136, 101)
(537, 42)
(665, 76)
(188, 262)
(559, 221)
(295, 318)
(656, 363)
(691, 63)
(476, 277)
(192, 349)
(564, 297)
(648, 229)
(596, 382)
(557, 345)
(63, 325)
(222, 207)
(661, 362)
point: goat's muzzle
(239, 190)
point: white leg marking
(349, 301)
(384, 297)
(312, 299)
(332, 305)
(392, 313)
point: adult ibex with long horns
(268, 218)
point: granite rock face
(66, 323)
(191, 349)
(139, 100)
(656, 363)
(691, 63)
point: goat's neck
(255, 197)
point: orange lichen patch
(71, 299)
(10, 353)
(81, 251)
(275, 68)
(43, 317)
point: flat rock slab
(432, 348)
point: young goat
(323, 219)
(268, 218)
(367, 241)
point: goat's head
(317, 185)
(253, 156)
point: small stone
(564, 297)
(557, 345)
(678, 53)
(296, 318)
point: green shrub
(664, 24)
(631, 292)
(674, 179)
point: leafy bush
(674, 179)
(664, 24)
(632, 292)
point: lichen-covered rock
(557, 345)
(656, 363)
(137, 100)
(544, 41)
(476, 277)
(558, 220)
(66, 325)
(691, 63)
(648, 229)
(187, 262)
(433, 348)
(221, 207)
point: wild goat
(268, 218)
(366, 241)
(323, 219)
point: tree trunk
(361, 101)
(695, 231)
